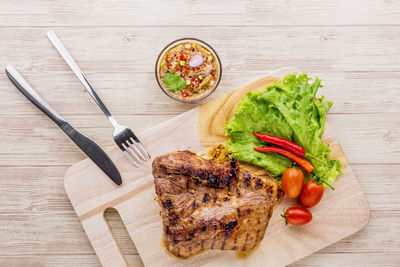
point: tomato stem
(285, 216)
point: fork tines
(132, 147)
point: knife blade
(89, 147)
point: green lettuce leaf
(289, 110)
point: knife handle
(23, 86)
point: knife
(90, 148)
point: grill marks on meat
(203, 171)
(211, 204)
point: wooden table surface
(352, 45)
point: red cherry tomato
(297, 216)
(292, 182)
(311, 194)
(184, 94)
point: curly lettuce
(288, 109)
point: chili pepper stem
(324, 181)
(328, 184)
(317, 159)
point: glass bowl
(201, 96)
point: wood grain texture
(202, 13)
(351, 45)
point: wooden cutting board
(341, 212)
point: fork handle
(75, 68)
(23, 86)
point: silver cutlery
(90, 148)
(123, 136)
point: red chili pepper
(302, 162)
(286, 144)
(183, 56)
(196, 81)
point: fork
(126, 140)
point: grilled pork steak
(211, 204)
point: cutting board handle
(103, 242)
